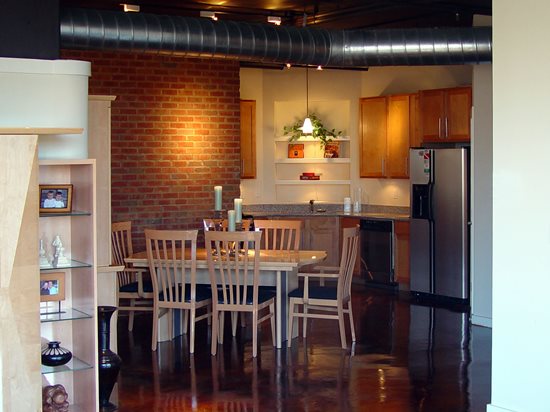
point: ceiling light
(274, 19)
(208, 14)
(130, 7)
(319, 67)
(288, 65)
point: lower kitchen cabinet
(322, 233)
(401, 254)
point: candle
(217, 198)
(238, 210)
(231, 220)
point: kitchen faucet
(311, 205)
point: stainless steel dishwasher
(377, 266)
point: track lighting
(130, 7)
(274, 20)
(208, 14)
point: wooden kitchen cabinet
(248, 139)
(322, 233)
(401, 254)
(386, 125)
(445, 114)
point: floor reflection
(409, 357)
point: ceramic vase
(55, 355)
(109, 362)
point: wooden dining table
(278, 268)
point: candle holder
(218, 214)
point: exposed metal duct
(149, 33)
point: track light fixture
(130, 7)
(208, 14)
(274, 20)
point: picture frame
(296, 151)
(56, 198)
(52, 287)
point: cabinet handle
(446, 127)
(439, 127)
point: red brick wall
(175, 135)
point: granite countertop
(376, 212)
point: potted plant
(320, 132)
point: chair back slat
(234, 264)
(172, 257)
(121, 248)
(350, 246)
(280, 234)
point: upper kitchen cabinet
(387, 124)
(445, 114)
(248, 139)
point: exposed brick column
(175, 134)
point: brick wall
(175, 135)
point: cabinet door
(432, 114)
(321, 233)
(402, 267)
(372, 133)
(248, 139)
(397, 165)
(415, 137)
(458, 113)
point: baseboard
(493, 408)
(482, 321)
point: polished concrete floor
(408, 357)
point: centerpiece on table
(331, 149)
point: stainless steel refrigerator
(439, 231)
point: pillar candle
(217, 198)
(231, 220)
(238, 210)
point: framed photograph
(296, 151)
(56, 198)
(52, 286)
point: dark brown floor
(408, 357)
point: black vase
(55, 355)
(109, 362)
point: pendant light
(307, 128)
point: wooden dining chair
(280, 234)
(317, 300)
(234, 266)
(131, 286)
(172, 257)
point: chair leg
(192, 316)
(272, 312)
(131, 316)
(154, 336)
(304, 322)
(290, 322)
(215, 327)
(222, 327)
(234, 322)
(185, 320)
(342, 325)
(255, 333)
(351, 323)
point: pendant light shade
(307, 128)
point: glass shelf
(73, 213)
(74, 364)
(66, 314)
(72, 265)
(314, 160)
(310, 182)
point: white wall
(270, 86)
(47, 93)
(521, 205)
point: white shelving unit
(334, 183)
(76, 326)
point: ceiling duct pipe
(186, 36)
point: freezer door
(420, 256)
(450, 214)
